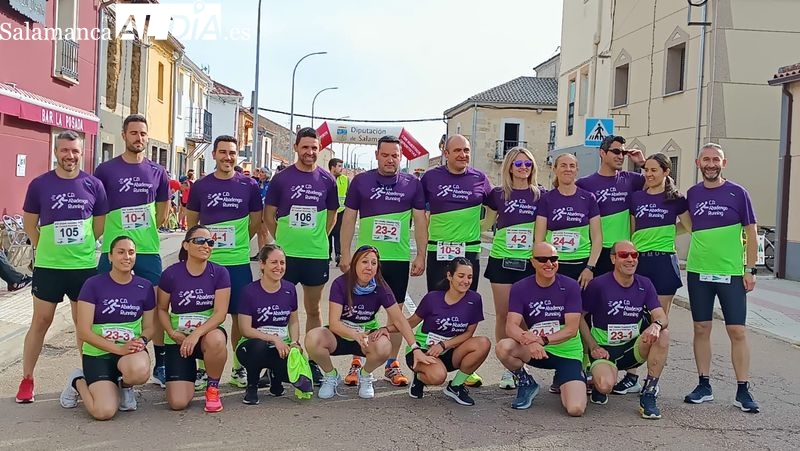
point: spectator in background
(186, 187)
(190, 176)
(238, 169)
(13, 278)
(262, 176)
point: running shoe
(702, 393)
(25, 392)
(26, 280)
(201, 380)
(213, 403)
(527, 389)
(459, 393)
(648, 406)
(276, 388)
(251, 395)
(555, 389)
(69, 396)
(160, 377)
(395, 376)
(352, 374)
(628, 384)
(365, 389)
(507, 381)
(127, 399)
(744, 399)
(417, 388)
(265, 379)
(316, 373)
(473, 381)
(329, 386)
(598, 398)
(239, 377)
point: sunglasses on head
(625, 254)
(520, 163)
(618, 151)
(199, 240)
(367, 247)
(551, 259)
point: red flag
(411, 147)
(324, 135)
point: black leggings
(256, 355)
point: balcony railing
(502, 147)
(198, 126)
(67, 59)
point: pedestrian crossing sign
(597, 128)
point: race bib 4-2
(566, 241)
(386, 230)
(622, 333)
(135, 218)
(69, 232)
(519, 239)
(224, 237)
(446, 251)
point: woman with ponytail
(654, 213)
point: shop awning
(33, 107)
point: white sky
(390, 60)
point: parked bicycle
(768, 234)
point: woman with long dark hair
(447, 321)
(193, 297)
(353, 328)
(115, 320)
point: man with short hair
(721, 210)
(229, 205)
(342, 184)
(300, 213)
(616, 304)
(384, 200)
(64, 212)
(138, 201)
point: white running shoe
(69, 396)
(329, 386)
(127, 399)
(365, 389)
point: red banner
(324, 135)
(35, 113)
(411, 147)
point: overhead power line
(385, 121)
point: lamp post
(315, 101)
(257, 135)
(294, 72)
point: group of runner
(555, 307)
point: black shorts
(662, 269)
(183, 369)
(572, 268)
(732, 298)
(310, 272)
(604, 264)
(505, 270)
(52, 285)
(446, 358)
(436, 270)
(396, 275)
(100, 368)
(623, 357)
(241, 276)
(567, 370)
(347, 347)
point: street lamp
(291, 112)
(257, 140)
(315, 101)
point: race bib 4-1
(224, 237)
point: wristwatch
(590, 267)
(545, 340)
(660, 324)
(752, 271)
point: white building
(223, 103)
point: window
(621, 74)
(676, 69)
(583, 95)
(551, 144)
(108, 152)
(66, 51)
(571, 107)
(160, 94)
(673, 161)
(179, 98)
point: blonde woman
(512, 207)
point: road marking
(409, 305)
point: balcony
(67, 60)
(198, 125)
(502, 147)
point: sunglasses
(618, 151)
(520, 163)
(367, 247)
(199, 240)
(625, 254)
(551, 259)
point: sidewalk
(16, 308)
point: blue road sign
(597, 128)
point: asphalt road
(395, 421)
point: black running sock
(705, 381)
(160, 353)
(741, 386)
(75, 380)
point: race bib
(188, 322)
(519, 239)
(622, 333)
(434, 339)
(545, 328)
(224, 237)
(69, 232)
(280, 331)
(118, 334)
(354, 326)
(446, 251)
(566, 241)
(386, 230)
(135, 218)
(715, 278)
(303, 217)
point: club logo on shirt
(453, 191)
(611, 195)
(357, 313)
(709, 208)
(224, 200)
(274, 311)
(111, 306)
(651, 210)
(305, 191)
(567, 214)
(545, 308)
(623, 305)
(520, 206)
(68, 200)
(135, 185)
(451, 323)
(386, 193)
(196, 296)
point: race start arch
(354, 133)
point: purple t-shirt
(567, 212)
(655, 219)
(365, 307)
(303, 201)
(268, 309)
(445, 320)
(616, 311)
(520, 208)
(192, 294)
(613, 196)
(372, 194)
(117, 303)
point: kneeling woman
(449, 319)
(356, 296)
(116, 315)
(193, 297)
(269, 324)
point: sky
(389, 60)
